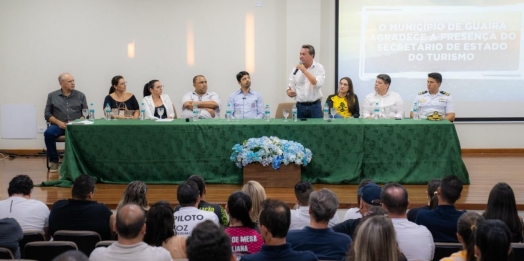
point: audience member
(502, 205)
(246, 101)
(206, 206)
(208, 103)
(492, 241)
(10, 235)
(245, 239)
(375, 241)
(318, 237)
(131, 228)
(209, 242)
(386, 99)
(466, 228)
(415, 241)
(159, 230)
(300, 217)
(345, 101)
(275, 219)
(354, 213)
(81, 212)
(71, 255)
(135, 193)
(118, 98)
(154, 99)
(432, 200)
(257, 194)
(29, 213)
(442, 221)
(370, 196)
(62, 106)
(188, 215)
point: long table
(344, 151)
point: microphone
(296, 70)
(187, 119)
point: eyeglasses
(159, 87)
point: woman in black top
(125, 101)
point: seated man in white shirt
(300, 217)
(208, 103)
(188, 216)
(414, 241)
(131, 228)
(389, 102)
(29, 213)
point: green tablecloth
(344, 151)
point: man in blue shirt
(442, 221)
(246, 103)
(274, 222)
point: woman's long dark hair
(239, 204)
(502, 206)
(467, 226)
(493, 240)
(149, 86)
(114, 82)
(350, 96)
(159, 224)
(432, 192)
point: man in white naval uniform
(433, 100)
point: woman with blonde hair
(135, 193)
(375, 241)
(257, 194)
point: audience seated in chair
(135, 192)
(188, 215)
(415, 241)
(81, 212)
(159, 230)
(31, 214)
(466, 228)
(10, 236)
(318, 237)
(209, 241)
(370, 197)
(300, 217)
(375, 241)
(275, 219)
(442, 221)
(257, 194)
(492, 241)
(206, 206)
(131, 227)
(502, 205)
(245, 239)
(432, 200)
(354, 213)
(71, 255)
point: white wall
(89, 38)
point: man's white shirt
(186, 219)
(29, 213)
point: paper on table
(164, 120)
(83, 122)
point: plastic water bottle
(267, 113)
(294, 112)
(108, 112)
(142, 111)
(376, 111)
(326, 111)
(228, 112)
(416, 112)
(91, 111)
(195, 112)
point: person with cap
(370, 197)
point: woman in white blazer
(154, 99)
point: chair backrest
(47, 250)
(104, 243)
(85, 240)
(5, 253)
(517, 252)
(445, 249)
(281, 107)
(30, 236)
(174, 110)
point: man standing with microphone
(305, 82)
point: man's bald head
(130, 220)
(394, 197)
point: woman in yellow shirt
(345, 101)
